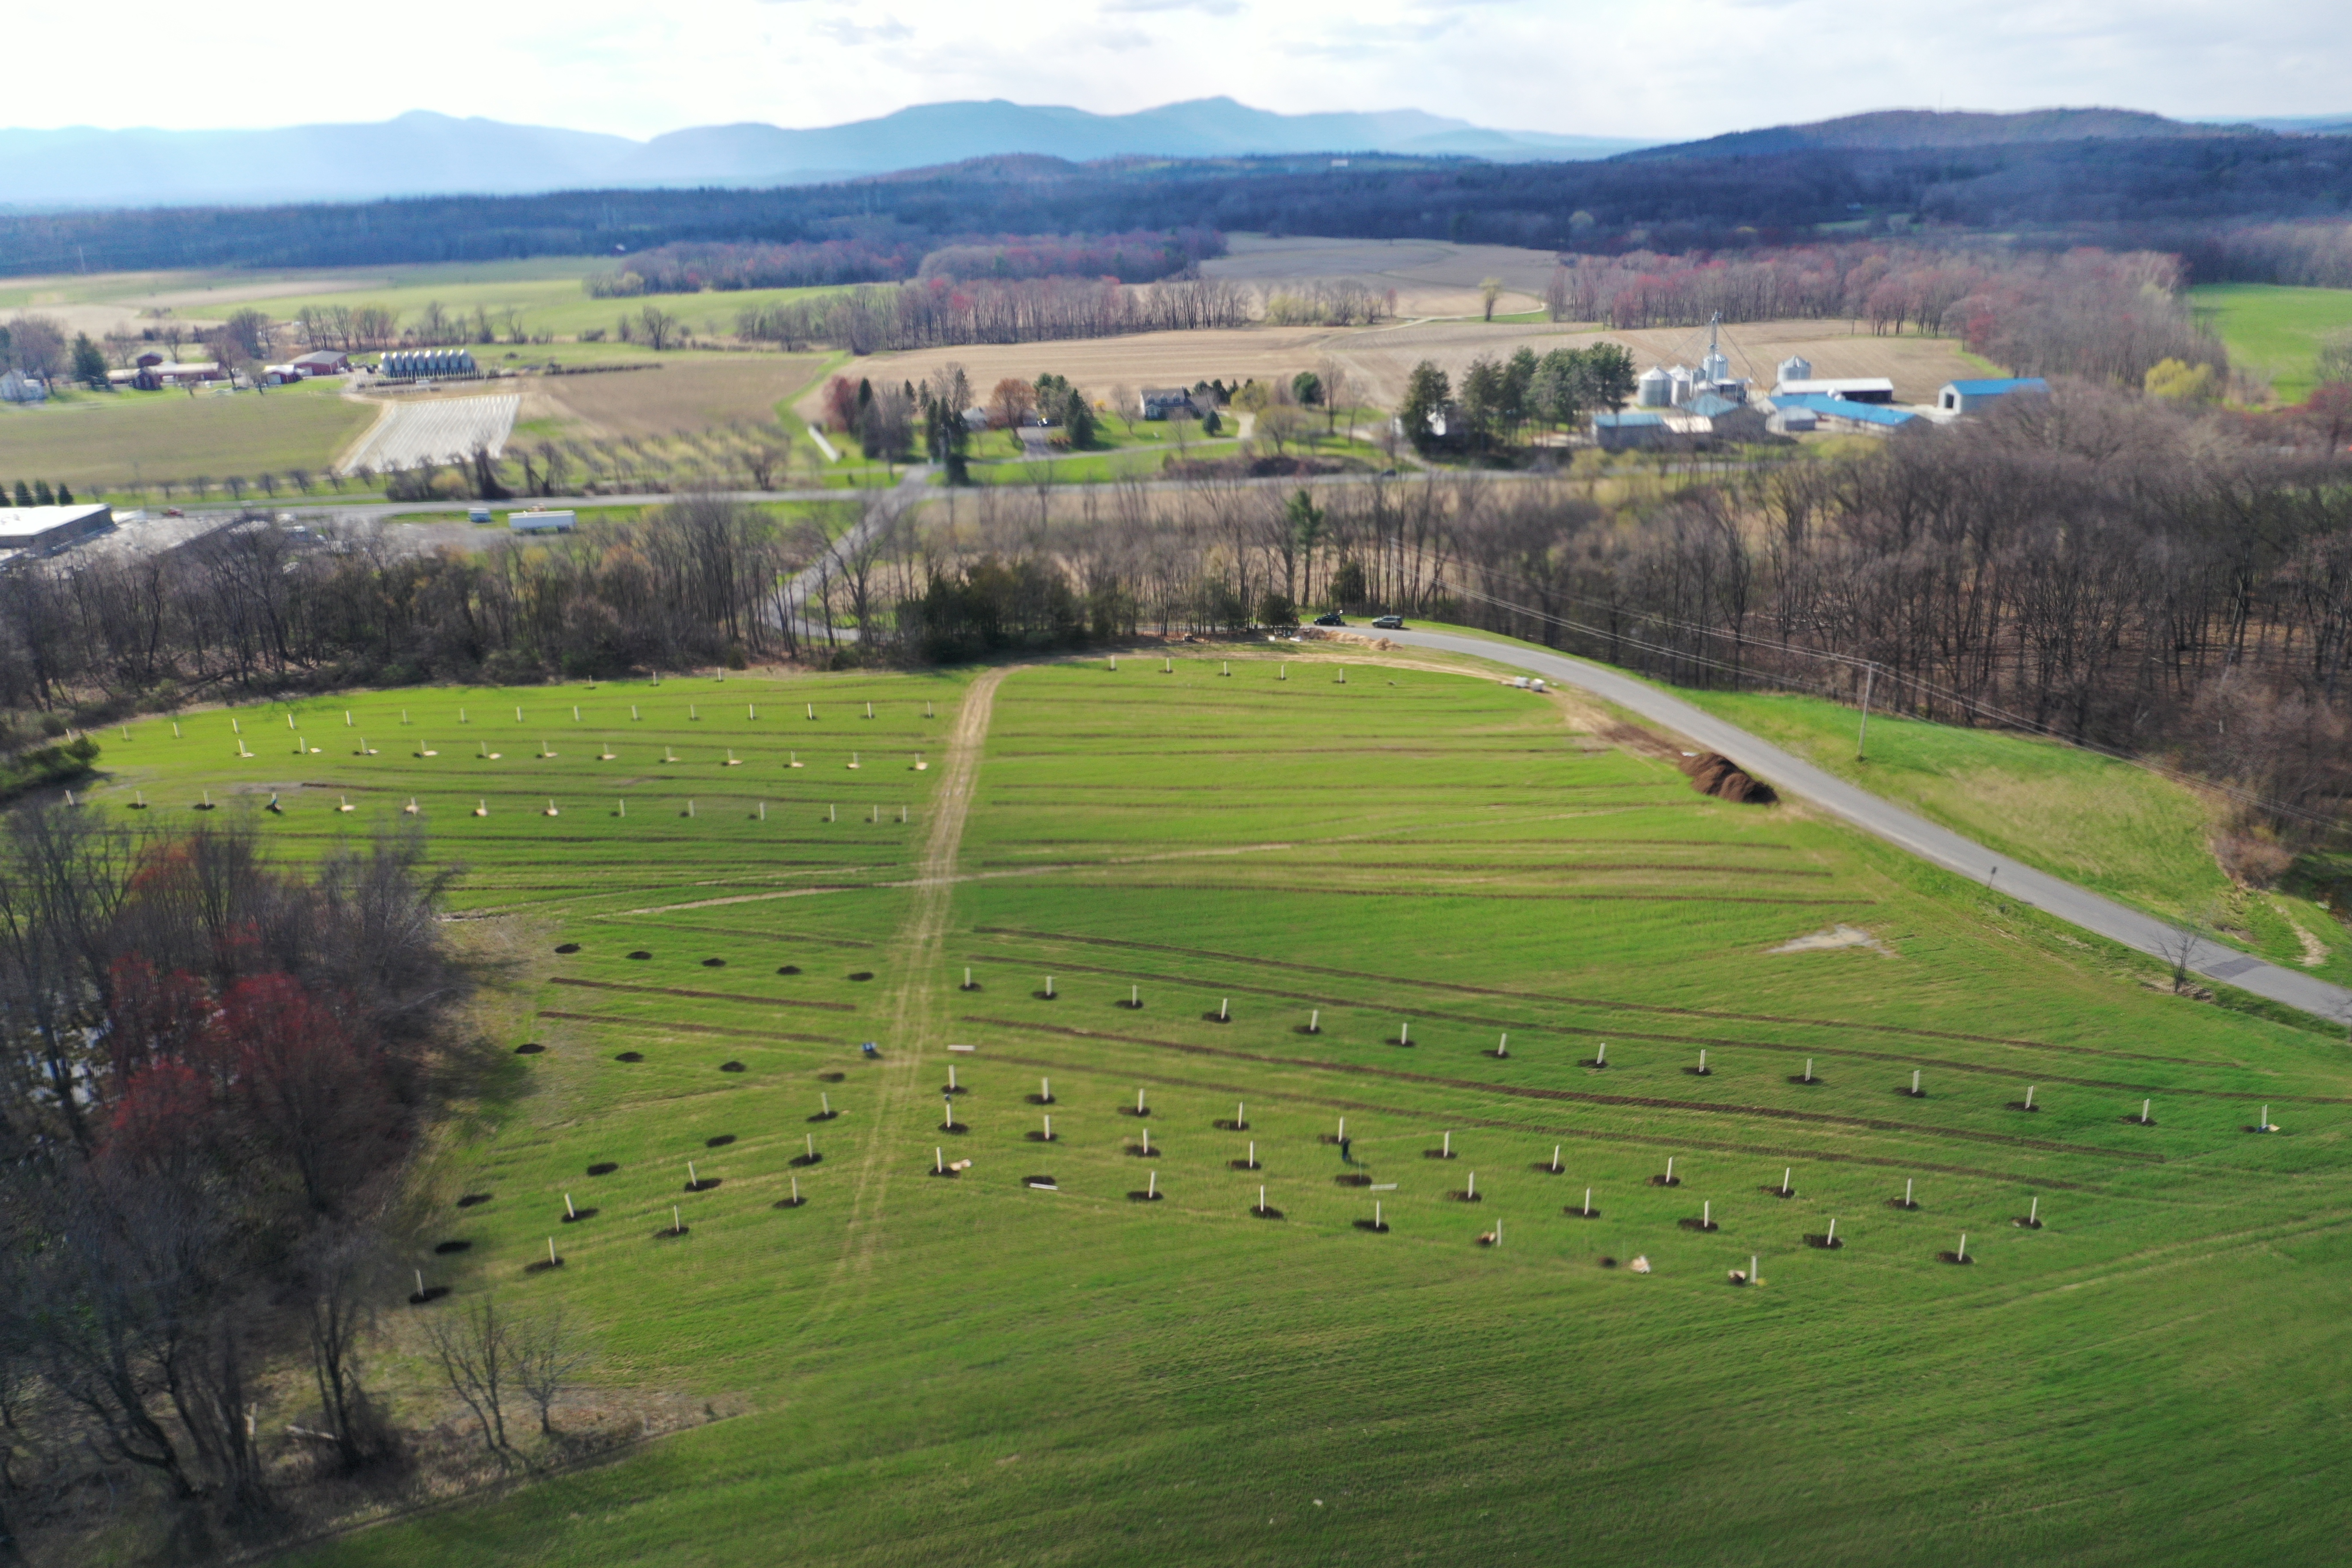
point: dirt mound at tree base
(1712, 773)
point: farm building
(410, 363)
(1841, 413)
(542, 522)
(322, 362)
(154, 372)
(1167, 403)
(1631, 430)
(1852, 388)
(1976, 396)
(46, 530)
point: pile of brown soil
(445, 1248)
(804, 1160)
(830, 1076)
(720, 1141)
(789, 1204)
(630, 1057)
(1952, 1258)
(824, 1116)
(641, 954)
(569, 947)
(1228, 1124)
(705, 1185)
(1899, 1204)
(732, 1066)
(1245, 1165)
(528, 1049)
(1352, 1179)
(1035, 1136)
(1265, 1214)
(1826, 1243)
(576, 1216)
(1144, 1195)
(1467, 1197)
(543, 1265)
(430, 1293)
(1379, 1227)
(1773, 1190)
(604, 1167)
(862, 974)
(470, 1199)
(714, 964)
(788, 969)
(1696, 1224)
(1574, 1210)
(1665, 1181)
(1712, 773)
(669, 1233)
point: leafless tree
(472, 1349)
(549, 1352)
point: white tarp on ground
(438, 430)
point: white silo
(1796, 368)
(1655, 390)
(1679, 381)
(1714, 368)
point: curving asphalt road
(1938, 845)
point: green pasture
(974, 1368)
(2275, 329)
(2133, 834)
(117, 439)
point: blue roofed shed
(1975, 396)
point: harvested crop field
(108, 439)
(676, 396)
(1431, 277)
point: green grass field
(2275, 329)
(118, 439)
(2133, 834)
(974, 1368)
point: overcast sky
(1661, 69)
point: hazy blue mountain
(2306, 124)
(418, 152)
(425, 154)
(1902, 128)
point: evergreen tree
(88, 363)
(65, 496)
(24, 493)
(1426, 390)
(41, 496)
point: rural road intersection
(1904, 830)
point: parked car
(478, 514)
(1331, 618)
(1390, 623)
(174, 511)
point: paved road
(912, 489)
(1938, 845)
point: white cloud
(1666, 68)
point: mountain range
(420, 153)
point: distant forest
(2163, 194)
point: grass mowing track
(973, 1368)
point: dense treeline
(2092, 313)
(246, 609)
(2105, 567)
(2091, 190)
(214, 1071)
(936, 312)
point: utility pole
(1869, 678)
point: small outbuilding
(1976, 396)
(542, 522)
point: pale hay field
(1378, 359)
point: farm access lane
(1937, 845)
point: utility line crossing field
(1418, 900)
